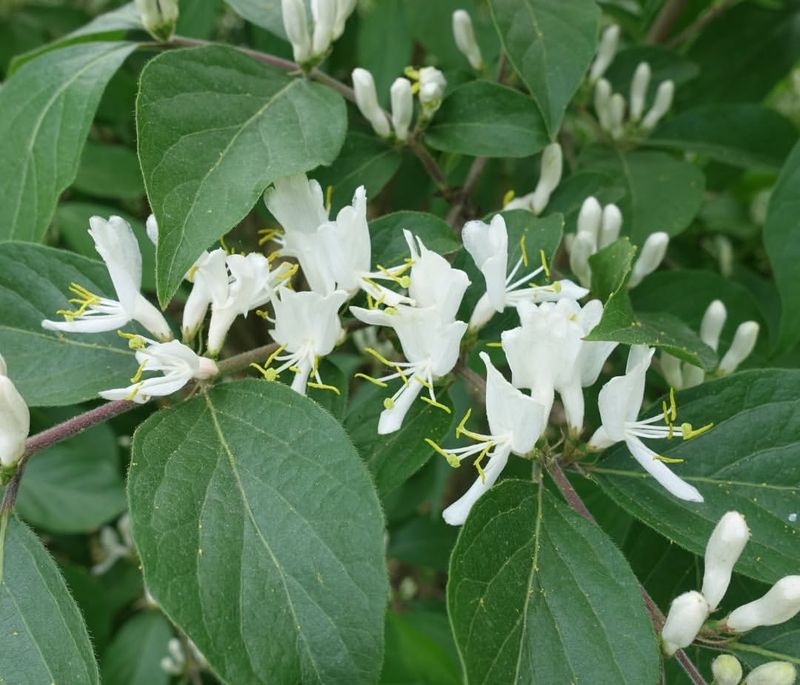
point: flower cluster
(328, 21)
(728, 671)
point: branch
(712, 13)
(456, 214)
(665, 20)
(240, 362)
(656, 616)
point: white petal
(457, 512)
(391, 420)
(661, 472)
(297, 203)
(117, 246)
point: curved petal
(117, 246)
(457, 512)
(661, 472)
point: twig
(241, 361)
(456, 213)
(430, 164)
(665, 20)
(712, 13)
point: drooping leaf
(45, 113)
(215, 127)
(537, 594)
(261, 536)
(134, 656)
(44, 636)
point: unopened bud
(431, 90)
(687, 614)
(692, 376)
(465, 38)
(581, 249)
(744, 340)
(653, 252)
(712, 324)
(641, 79)
(671, 367)
(14, 420)
(151, 226)
(602, 103)
(605, 52)
(296, 26)
(590, 219)
(323, 13)
(616, 116)
(549, 177)
(781, 603)
(661, 104)
(367, 102)
(724, 547)
(610, 226)
(402, 107)
(344, 8)
(772, 673)
(727, 670)
(159, 17)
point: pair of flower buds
(689, 611)
(728, 671)
(328, 22)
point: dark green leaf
(134, 657)
(261, 536)
(110, 171)
(413, 655)
(389, 247)
(264, 13)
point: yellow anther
(271, 357)
(436, 404)
(135, 391)
(262, 314)
(272, 256)
(138, 375)
(379, 356)
(328, 197)
(402, 281)
(668, 460)
(269, 374)
(388, 403)
(268, 234)
(372, 380)
(479, 459)
(415, 88)
(224, 245)
(192, 273)
(84, 300)
(523, 250)
(556, 287)
(545, 266)
(452, 459)
(412, 73)
(460, 428)
(294, 369)
(688, 432)
(673, 406)
(494, 344)
(508, 197)
(135, 342)
(322, 386)
(423, 382)
(390, 310)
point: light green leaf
(44, 636)
(49, 368)
(744, 135)
(261, 536)
(489, 120)
(745, 463)
(45, 113)
(537, 594)
(550, 43)
(134, 656)
(389, 247)
(215, 127)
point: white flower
(487, 244)
(323, 12)
(177, 364)
(602, 103)
(159, 17)
(661, 105)
(464, 36)
(597, 227)
(431, 90)
(551, 168)
(687, 614)
(619, 403)
(605, 52)
(115, 543)
(772, 673)
(344, 8)
(295, 24)
(307, 327)
(116, 244)
(726, 670)
(15, 420)
(367, 102)
(778, 605)
(744, 340)
(516, 421)
(724, 547)
(209, 276)
(639, 84)
(252, 284)
(402, 107)
(547, 353)
(653, 252)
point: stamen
(461, 425)
(523, 250)
(494, 344)
(688, 432)
(508, 197)
(479, 459)
(328, 196)
(543, 258)
(388, 403)
(322, 386)
(262, 314)
(372, 380)
(451, 458)
(135, 391)
(269, 374)
(138, 375)
(412, 73)
(272, 357)
(224, 246)
(135, 342)
(668, 460)
(436, 404)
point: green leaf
(215, 128)
(392, 459)
(134, 657)
(745, 462)
(662, 193)
(744, 135)
(50, 368)
(389, 247)
(489, 120)
(550, 44)
(45, 113)
(423, 541)
(261, 536)
(44, 636)
(109, 171)
(611, 268)
(364, 160)
(537, 594)
(264, 13)
(74, 486)
(782, 242)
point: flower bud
(431, 90)
(580, 250)
(159, 17)
(402, 107)
(781, 603)
(151, 226)
(686, 616)
(671, 367)
(323, 12)
(465, 38)
(549, 177)
(661, 104)
(692, 375)
(344, 8)
(616, 116)
(367, 101)
(772, 673)
(712, 324)
(651, 256)
(605, 52)
(296, 27)
(724, 547)
(602, 103)
(590, 218)
(610, 227)
(641, 79)
(727, 670)
(14, 420)
(744, 340)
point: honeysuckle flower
(639, 84)
(597, 227)
(551, 167)
(487, 244)
(159, 17)
(402, 107)
(652, 254)
(605, 52)
(687, 614)
(307, 327)
(431, 84)
(772, 673)
(15, 420)
(117, 246)
(602, 103)
(176, 363)
(661, 105)
(616, 116)
(744, 340)
(295, 23)
(367, 102)
(547, 353)
(464, 36)
(724, 547)
(323, 14)
(619, 403)
(176, 661)
(516, 421)
(780, 604)
(726, 670)
(115, 543)
(209, 277)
